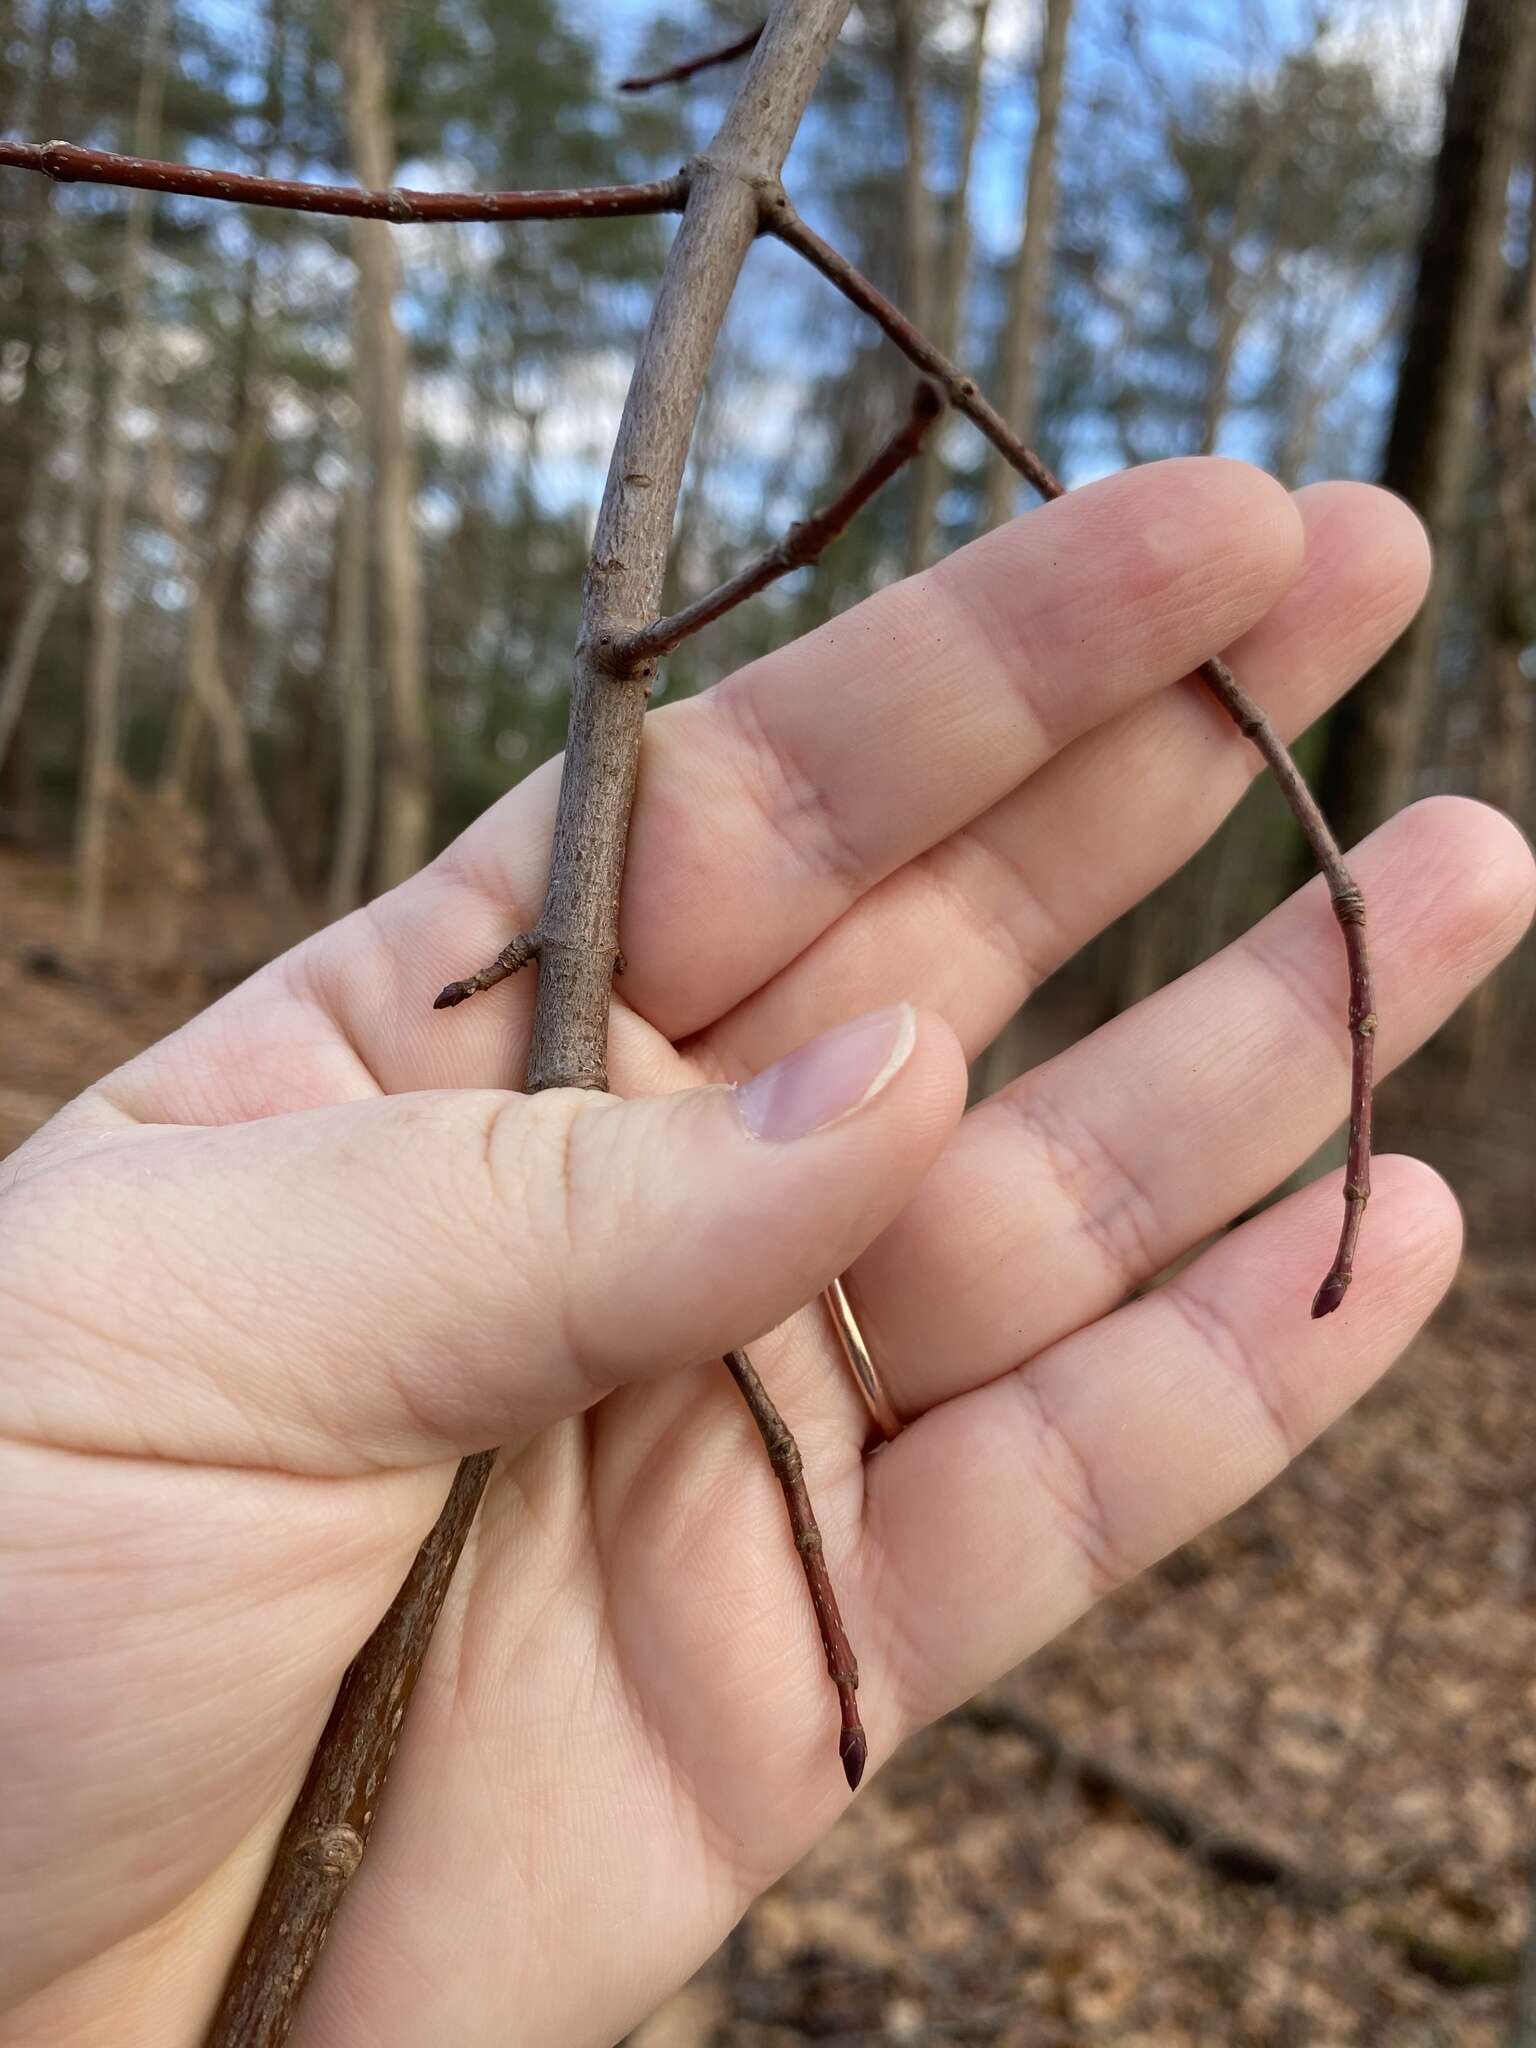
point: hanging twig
(784, 1457)
(691, 66)
(782, 220)
(67, 164)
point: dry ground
(1280, 1793)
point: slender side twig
(67, 164)
(784, 1457)
(804, 542)
(578, 942)
(514, 954)
(781, 219)
(691, 66)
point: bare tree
(210, 569)
(349, 668)
(1510, 581)
(1375, 738)
(405, 820)
(952, 276)
(103, 682)
(1029, 279)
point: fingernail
(831, 1077)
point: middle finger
(1087, 1177)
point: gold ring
(860, 1364)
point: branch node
(1349, 904)
(334, 1851)
(514, 954)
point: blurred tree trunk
(218, 705)
(349, 666)
(948, 310)
(919, 238)
(185, 749)
(1231, 295)
(1024, 322)
(104, 662)
(25, 254)
(405, 811)
(1509, 579)
(917, 225)
(1374, 742)
(64, 539)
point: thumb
(400, 1279)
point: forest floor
(1279, 1793)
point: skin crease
(259, 1289)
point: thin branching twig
(689, 67)
(804, 542)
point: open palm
(252, 1310)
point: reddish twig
(690, 66)
(784, 1456)
(1349, 908)
(781, 219)
(962, 391)
(67, 164)
(805, 540)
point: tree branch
(690, 66)
(67, 164)
(804, 542)
(577, 937)
(781, 219)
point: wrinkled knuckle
(1111, 1205)
(1066, 1476)
(1222, 1342)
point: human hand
(261, 1287)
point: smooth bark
(405, 810)
(1024, 325)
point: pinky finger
(1002, 1515)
